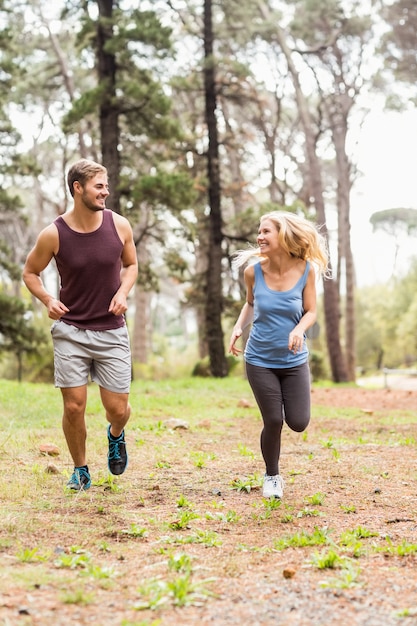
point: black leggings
(280, 394)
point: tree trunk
(339, 132)
(331, 295)
(214, 296)
(109, 112)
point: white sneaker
(273, 486)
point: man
(96, 259)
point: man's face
(95, 192)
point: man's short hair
(83, 170)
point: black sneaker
(80, 480)
(117, 456)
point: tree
(214, 301)
(396, 223)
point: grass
(187, 526)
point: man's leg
(117, 410)
(117, 413)
(73, 422)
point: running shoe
(117, 456)
(80, 480)
(273, 487)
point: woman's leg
(296, 390)
(266, 387)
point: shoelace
(77, 476)
(114, 452)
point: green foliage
(17, 332)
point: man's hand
(56, 309)
(118, 305)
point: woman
(281, 303)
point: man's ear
(77, 187)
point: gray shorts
(104, 355)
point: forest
(206, 114)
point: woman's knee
(298, 425)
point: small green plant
(200, 458)
(183, 520)
(406, 613)
(77, 558)
(99, 572)
(230, 516)
(246, 484)
(303, 539)
(78, 596)
(327, 560)
(350, 508)
(306, 512)
(335, 454)
(316, 499)
(179, 591)
(402, 549)
(244, 451)
(30, 555)
(207, 537)
(328, 443)
(180, 563)
(163, 465)
(109, 483)
(135, 531)
(271, 504)
(182, 502)
(347, 578)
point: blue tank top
(89, 267)
(275, 315)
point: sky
(387, 156)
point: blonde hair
(297, 236)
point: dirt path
(351, 491)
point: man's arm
(129, 271)
(37, 260)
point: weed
(306, 512)
(271, 504)
(303, 539)
(75, 559)
(244, 451)
(230, 516)
(316, 500)
(30, 555)
(179, 591)
(180, 563)
(350, 508)
(78, 596)
(108, 482)
(347, 578)
(402, 549)
(183, 520)
(207, 537)
(162, 464)
(327, 560)
(246, 484)
(357, 533)
(182, 502)
(335, 454)
(135, 531)
(200, 458)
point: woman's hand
(295, 341)
(237, 332)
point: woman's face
(267, 237)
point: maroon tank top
(89, 267)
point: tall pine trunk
(214, 295)
(109, 111)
